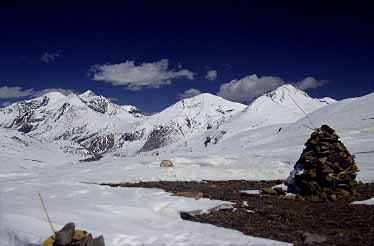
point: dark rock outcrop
(158, 138)
(25, 128)
(131, 136)
(100, 144)
(214, 139)
(98, 104)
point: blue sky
(150, 54)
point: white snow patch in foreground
(251, 192)
(126, 216)
(365, 202)
(280, 186)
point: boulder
(166, 163)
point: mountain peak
(206, 102)
(284, 91)
(287, 87)
(54, 94)
(208, 98)
(87, 93)
(202, 96)
(288, 92)
(289, 98)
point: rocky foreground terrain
(284, 219)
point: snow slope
(125, 216)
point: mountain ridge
(92, 124)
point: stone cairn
(325, 170)
(69, 236)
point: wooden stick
(46, 214)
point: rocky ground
(296, 221)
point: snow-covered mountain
(84, 122)
(93, 124)
(352, 118)
(180, 121)
(283, 105)
(88, 123)
(190, 117)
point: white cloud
(137, 77)
(248, 88)
(49, 57)
(310, 83)
(189, 93)
(211, 75)
(19, 92)
(45, 91)
(14, 92)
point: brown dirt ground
(277, 218)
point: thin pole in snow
(46, 214)
(306, 115)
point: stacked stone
(69, 236)
(326, 169)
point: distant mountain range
(88, 124)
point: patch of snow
(365, 202)
(251, 192)
(281, 186)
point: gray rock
(65, 235)
(99, 241)
(313, 238)
(85, 240)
